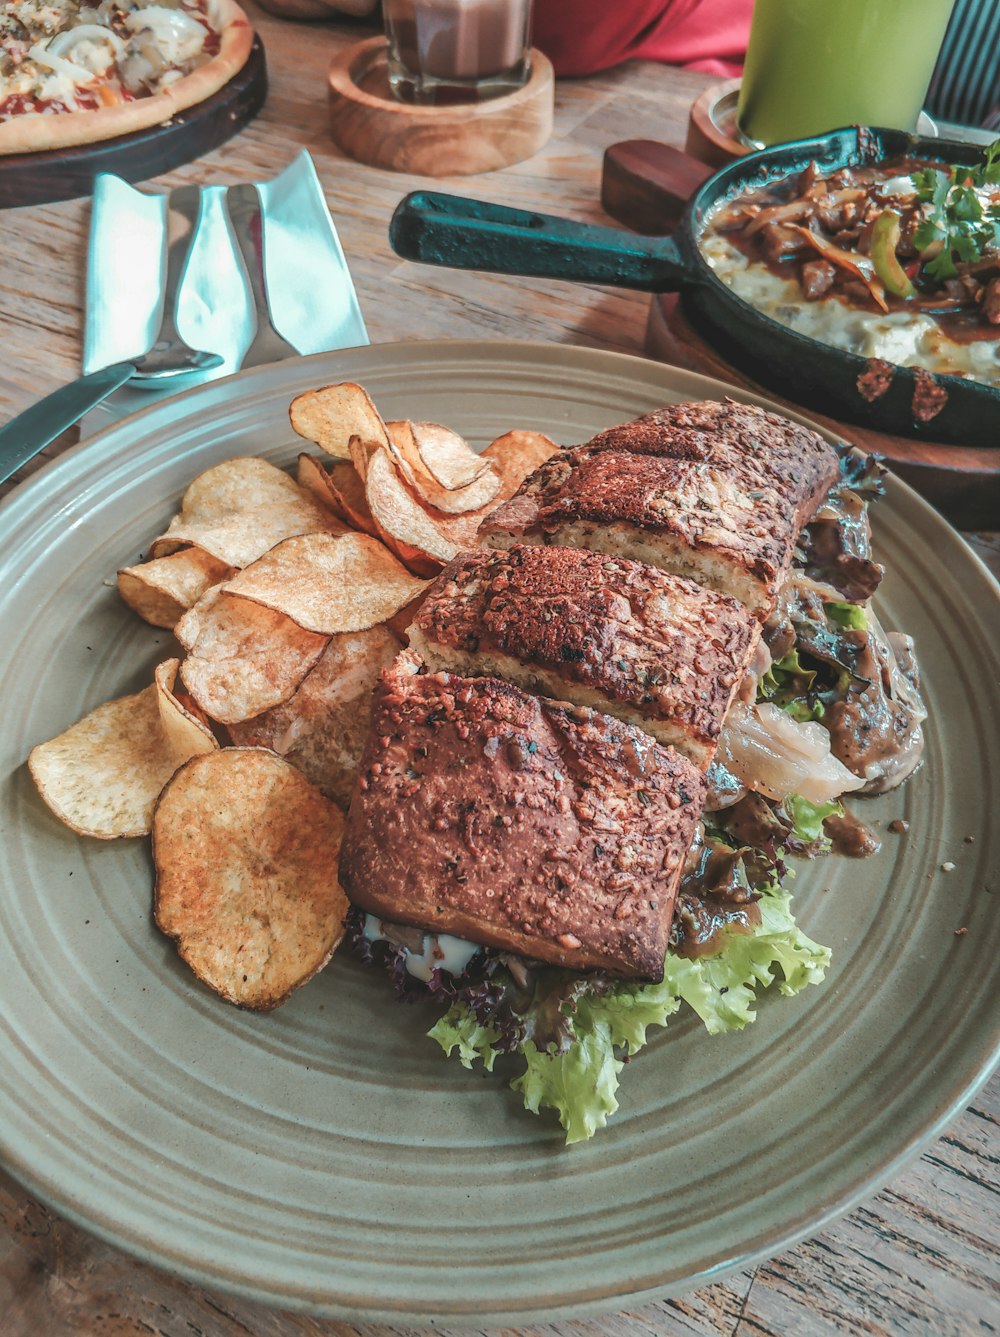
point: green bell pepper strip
(884, 240)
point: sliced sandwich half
(715, 492)
(518, 823)
(652, 649)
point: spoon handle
(31, 431)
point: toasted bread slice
(716, 492)
(650, 648)
(517, 823)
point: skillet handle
(473, 234)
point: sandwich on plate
(613, 725)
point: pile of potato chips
(287, 599)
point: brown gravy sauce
(961, 326)
(848, 835)
(712, 900)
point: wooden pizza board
(63, 174)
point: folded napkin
(312, 297)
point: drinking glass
(817, 65)
(446, 51)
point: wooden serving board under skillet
(646, 185)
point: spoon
(31, 431)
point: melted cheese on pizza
(61, 55)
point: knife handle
(473, 234)
(31, 431)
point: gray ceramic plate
(327, 1156)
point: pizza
(76, 73)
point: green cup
(817, 65)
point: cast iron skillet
(471, 234)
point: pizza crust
(35, 132)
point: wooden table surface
(921, 1256)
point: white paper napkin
(313, 302)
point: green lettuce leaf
(851, 616)
(579, 1085)
(580, 1082)
(777, 676)
(802, 711)
(629, 1011)
(459, 1029)
(808, 818)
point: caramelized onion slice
(858, 265)
(776, 756)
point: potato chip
(162, 590)
(341, 489)
(399, 623)
(350, 489)
(315, 477)
(239, 509)
(462, 501)
(246, 853)
(361, 451)
(322, 728)
(331, 416)
(328, 584)
(455, 501)
(188, 628)
(311, 474)
(403, 449)
(186, 728)
(424, 541)
(243, 657)
(447, 457)
(104, 774)
(516, 455)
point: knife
(37, 427)
(246, 217)
(34, 429)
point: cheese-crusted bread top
(651, 648)
(718, 492)
(795, 459)
(518, 823)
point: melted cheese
(908, 339)
(88, 46)
(178, 37)
(50, 52)
(440, 951)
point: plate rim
(24, 496)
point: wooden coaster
(63, 174)
(712, 135)
(962, 482)
(369, 124)
(711, 132)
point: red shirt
(583, 36)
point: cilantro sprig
(957, 217)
